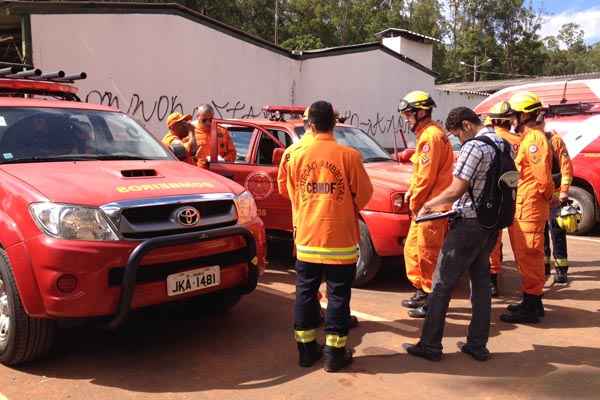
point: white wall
(143, 57)
(150, 65)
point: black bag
(495, 206)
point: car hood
(95, 183)
(389, 175)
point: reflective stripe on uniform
(562, 262)
(333, 253)
(306, 336)
(336, 341)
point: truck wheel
(369, 262)
(584, 202)
(22, 338)
(217, 303)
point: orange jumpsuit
(170, 137)
(559, 149)
(432, 173)
(226, 147)
(496, 255)
(534, 162)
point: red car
(97, 219)
(573, 110)
(260, 144)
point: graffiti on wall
(158, 108)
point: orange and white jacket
(560, 153)
(513, 139)
(535, 187)
(328, 186)
(282, 171)
(226, 147)
(432, 165)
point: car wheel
(584, 202)
(22, 338)
(369, 262)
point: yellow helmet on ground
(525, 102)
(568, 218)
(417, 99)
(501, 110)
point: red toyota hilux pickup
(97, 218)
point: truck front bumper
(115, 277)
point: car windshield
(53, 134)
(359, 140)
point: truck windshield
(359, 140)
(53, 134)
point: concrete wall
(150, 65)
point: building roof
(107, 7)
(417, 37)
(490, 87)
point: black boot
(527, 313)
(518, 306)
(416, 300)
(494, 285)
(309, 353)
(419, 312)
(336, 358)
(561, 275)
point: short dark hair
(457, 115)
(321, 114)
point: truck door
(254, 169)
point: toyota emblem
(187, 216)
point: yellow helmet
(501, 110)
(417, 100)
(487, 121)
(568, 218)
(525, 102)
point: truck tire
(22, 338)
(584, 202)
(369, 262)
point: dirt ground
(249, 353)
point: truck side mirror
(179, 150)
(277, 155)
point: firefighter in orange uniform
(562, 172)
(328, 186)
(534, 162)
(179, 138)
(202, 125)
(432, 161)
(500, 118)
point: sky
(585, 13)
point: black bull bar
(130, 275)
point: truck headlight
(70, 222)
(398, 206)
(246, 207)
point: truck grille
(146, 219)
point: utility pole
(475, 66)
(276, 22)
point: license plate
(194, 280)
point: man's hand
(563, 197)
(426, 209)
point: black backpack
(495, 206)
